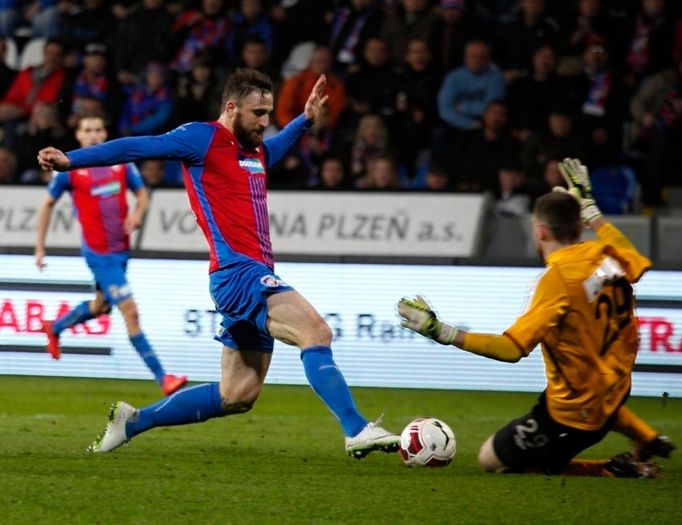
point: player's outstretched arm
(44, 217)
(417, 315)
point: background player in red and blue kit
(99, 198)
(225, 176)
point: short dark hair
(242, 82)
(561, 213)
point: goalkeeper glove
(578, 180)
(418, 316)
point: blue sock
(328, 382)
(77, 315)
(189, 405)
(143, 348)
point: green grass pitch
(284, 463)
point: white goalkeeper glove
(418, 316)
(578, 179)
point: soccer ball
(427, 442)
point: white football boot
(115, 434)
(372, 437)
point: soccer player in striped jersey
(582, 315)
(225, 165)
(99, 199)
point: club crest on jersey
(271, 281)
(251, 164)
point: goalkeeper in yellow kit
(582, 315)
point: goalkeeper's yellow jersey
(582, 314)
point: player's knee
(241, 400)
(487, 458)
(321, 332)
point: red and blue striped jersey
(225, 182)
(99, 201)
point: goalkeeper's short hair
(561, 213)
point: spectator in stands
(434, 178)
(301, 20)
(382, 174)
(651, 41)
(195, 31)
(465, 94)
(479, 154)
(8, 166)
(7, 72)
(333, 175)
(411, 19)
(294, 93)
(518, 39)
(514, 198)
(416, 110)
(93, 81)
(9, 17)
(556, 141)
(456, 26)
(44, 16)
(255, 55)
(94, 22)
(657, 112)
(602, 103)
(588, 20)
(351, 27)
(467, 90)
(373, 84)
(153, 173)
(149, 106)
(251, 21)
(371, 142)
(32, 85)
(197, 96)
(531, 97)
(143, 36)
(44, 129)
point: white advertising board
(339, 223)
(358, 301)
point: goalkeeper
(582, 315)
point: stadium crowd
(464, 95)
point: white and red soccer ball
(427, 442)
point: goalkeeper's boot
(660, 446)
(372, 437)
(171, 384)
(115, 434)
(626, 466)
(52, 340)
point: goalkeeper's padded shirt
(225, 182)
(99, 201)
(582, 315)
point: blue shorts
(110, 275)
(240, 293)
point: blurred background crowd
(449, 95)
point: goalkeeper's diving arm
(417, 315)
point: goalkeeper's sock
(633, 427)
(190, 405)
(77, 315)
(140, 343)
(328, 382)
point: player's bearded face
(250, 135)
(252, 118)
